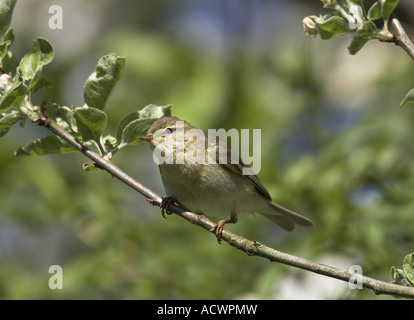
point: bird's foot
(165, 205)
(218, 229)
(219, 226)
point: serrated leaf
(374, 13)
(331, 27)
(409, 98)
(387, 8)
(90, 123)
(13, 97)
(408, 267)
(32, 63)
(6, 12)
(45, 146)
(7, 121)
(356, 44)
(138, 122)
(101, 82)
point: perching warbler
(194, 177)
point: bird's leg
(218, 228)
(165, 205)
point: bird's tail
(286, 218)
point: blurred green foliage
(335, 147)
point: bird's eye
(169, 130)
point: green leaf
(62, 115)
(151, 111)
(398, 276)
(374, 13)
(32, 63)
(331, 27)
(101, 82)
(138, 122)
(409, 98)
(109, 142)
(29, 66)
(329, 4)
(4, 48)
(5, 45)
(90, 123)
(357, 44)
(39, 82)
(13, 97)
(93, 146)
(408, 267)
(44, 146)
(6, 12)
(133, 130)
(66, 119)
(7, 121)
(155, 112)
(9, 63)
(367, 30)
(89, 167)
(388, 7)
(9, 36)
(358, 2)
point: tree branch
(401, 37)
(252, 248)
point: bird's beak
(146, 138)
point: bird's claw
(165, 205)
(218, 229)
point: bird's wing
(235, 164)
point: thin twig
(252, 248)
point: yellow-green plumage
(215, 189)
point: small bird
(210, 187)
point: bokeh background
(336, 147)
